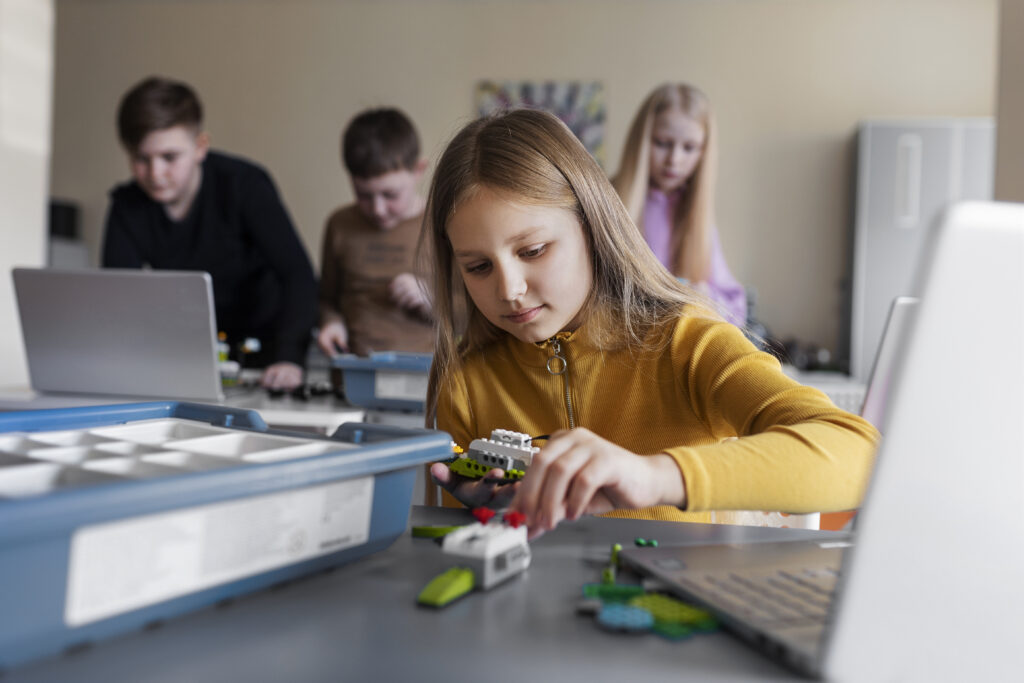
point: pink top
(721, 286)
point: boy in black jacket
(190, 208)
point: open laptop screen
(119, 332)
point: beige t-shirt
(359, 260)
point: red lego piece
(514, 519)
(483, 515)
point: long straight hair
(534, 158)
(694, 215)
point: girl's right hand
(474, 493)
(580, 473)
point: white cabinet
(908, 171)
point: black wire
(542, 436)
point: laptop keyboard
(772, 598)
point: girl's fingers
(577, 473)
(557, 480)
(599, 504)
(528, 499)
(585, 487)
(503, 495)
(469, 492)
(441, 474)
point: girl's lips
(524, 316)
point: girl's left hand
(578, 472)
(474, 493)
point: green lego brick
(446, 587)
(474, 470)
(612, 592)
(668, 610)
(433, 531)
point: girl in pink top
(667, 181)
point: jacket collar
(574, 345)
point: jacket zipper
(558, 365)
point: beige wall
(790, 79)
(1010, 133)
(26, 77)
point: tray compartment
(156, 432)
(289, 453)
(13, 460)
(19, 444)
(131, 468)
(190, 461)
(68, 438)
(40, 478)
(233, 445)
(70, 455)
(124, 448)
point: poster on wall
(580, 104)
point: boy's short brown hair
(156, 104)
(379, 141)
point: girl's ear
(420, 168)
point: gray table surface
(360, 622)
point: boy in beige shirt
(369, 298)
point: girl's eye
(477, 268)
(662, 143)
(534, 252)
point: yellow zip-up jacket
(795, 452)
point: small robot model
(495, 552)
(488, 553)
(507, 450)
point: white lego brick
(508, 450)
(494, 552)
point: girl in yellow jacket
(555, 318)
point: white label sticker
(120, 566)
(410, 386)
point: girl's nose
(379, 206)
(511, 284)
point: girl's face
(677, 143)
(526, 267)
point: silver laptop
(119, 332)
(930, 587)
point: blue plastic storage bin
(390, 381)
(114, 517)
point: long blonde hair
(534, 157)
(694, 216)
